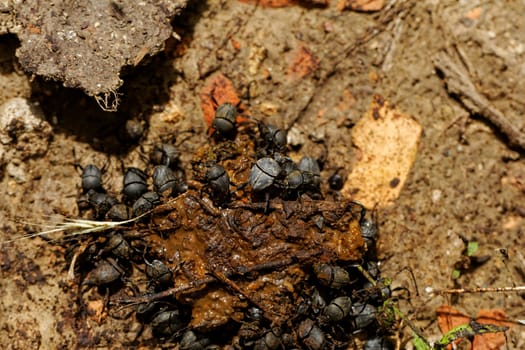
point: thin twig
(192, 285)
(459, 83)
(475, 290)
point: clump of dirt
(88, 45)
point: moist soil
(313, 70)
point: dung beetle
(225, 121)
(101, 202)
(273, 139)
(271, 340)
(135, 183)
(218, 181)
(311, 335)
(309, 166)
(166, 323)
(378, 343)
(263, 173)
(165, 154)
(106, 272)
(191, 341)
(338, 309)
(145, 203)
(118, 212)
(336, 182)
(164, 180)
(331, 276)
(364, 315)
(159, 273)
(91, 178)
(294, 180)
(118, 246)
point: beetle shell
(275, 137)
(91, 178)
(225, 119)
(104, 273)
(308, 165)
(159, 272)
(263, 173)
(135, 184)
(165, 154)
(378, 343)
(294, 179)
(219, 181)
(271, 340)
(118, 212)
(331, 276)
(167, 323)
(102, 202)
(336, 182)
(338, 309)
(118, 246)
(311, 335)
(164, 179)
(364, 314)
(145, 203)
(190, 341)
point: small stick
(298, 257)
(459, 83)
(431, 290)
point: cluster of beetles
(340, 307)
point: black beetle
(311, 335)
(91, 178)
(164, 180)
(364, 315)
(101, 202)
(165, 154)
(378, 343)
(336, 182)
(225, 121)
(145, 203)
(218, 181)
(331, 276)
(159, 272)
(135, 183)
(338, 309)
(104, 273)
(167, 323)
(310, 168)
(118, 212)
(263, 173)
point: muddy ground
(466, 181)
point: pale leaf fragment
(387, 141)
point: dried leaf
(449, 318)
(387, 141)
(490, 341)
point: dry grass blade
(76, 227)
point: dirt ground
(466, 181)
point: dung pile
(241, 251)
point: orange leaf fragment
(490, 341)
(449, 317)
